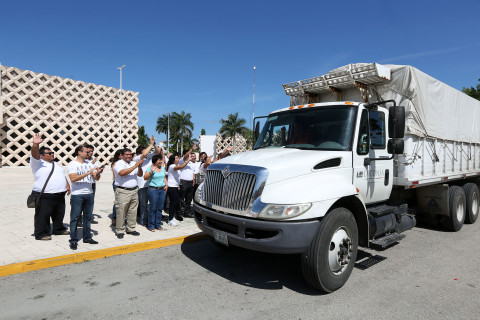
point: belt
(158, 188)
(134, 188)
(187, 181)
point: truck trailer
(358, 155)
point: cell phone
(102, 166)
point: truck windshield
(321, 128)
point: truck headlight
(199, 195)
(279, 211)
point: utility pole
(121, 96)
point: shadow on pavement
(249, 268)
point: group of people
(142, 185)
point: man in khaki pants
(126, 195)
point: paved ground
(17, 243)
(431, 274)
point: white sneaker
(172, 223)
(175, 220)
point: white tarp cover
(432, 108)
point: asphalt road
(430, 274)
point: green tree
(473, 92)
(162, 126)
(143, 139)
(182, 127)
(231, 126)
(203, 132)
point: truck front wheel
(329, 261)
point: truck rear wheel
(329, 261)
(473, 202)
(457, 206)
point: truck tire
(457, 208)
(329, 261)
(472, 197)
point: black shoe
(73, 246)
(91, 241)
(179, 218)
(120, 236)
(189, 215)
(133, 233)
(94, 222)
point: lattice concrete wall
(66, 112)
(240, 144)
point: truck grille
(233, 192)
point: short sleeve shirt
(187, 171)
(83, 186)
(142, 183)
(157, 179)
(173, 177)
(41, 170)
(129, 180)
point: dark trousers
(174, 196)
(81, 203)
(186, 194)
(51, 205)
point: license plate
(220, 237)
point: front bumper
(258, 235)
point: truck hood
(285, 163)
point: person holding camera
(52, 202)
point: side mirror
(396, 122)
(395, 146)
(257, 132)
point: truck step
(383, 242)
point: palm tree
(162, 125)
(231, 126)
(142, 137)
(182, 126)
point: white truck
(356, 157)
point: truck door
(374, 181)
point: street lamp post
(121, 96)
(168, 131)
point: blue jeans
(157, 199)
(114, 211)
(143, 197)
(81, 203)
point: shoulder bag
(34, 198)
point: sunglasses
(50, 153)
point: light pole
(121, 95)
(168, 131)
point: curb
(33, 265)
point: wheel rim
(460, 211)
(340, 252)
(474, 204)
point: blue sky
(198, 56)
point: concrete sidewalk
(17, 243)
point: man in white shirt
(52, 201)
(144, 153)
(126, 195)
(82, 173)
(187, 181)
